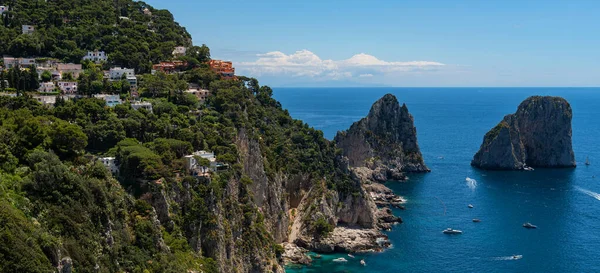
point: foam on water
(508, 258)
(588, 192)
(471, 183)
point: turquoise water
(451, 122)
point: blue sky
(401, 42)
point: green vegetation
(67, 29)
(58, 200)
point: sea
(451, 123)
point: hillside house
(169, 67)
(10, 62)
(193, 163)
(28, 29)
(73, 69)
(67, 87)
(179, 51)
(201, 94)
(223, 68)
(3, 9)
(111, 100)
(110, 163)
(117, 73)
(96, 56)
(46, 87)
(142, 104)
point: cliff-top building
(223, 68)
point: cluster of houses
(193, 164)
(66, 86)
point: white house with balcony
(111, 100)
(110, 163)
(117, 73)
(179, 51)
(195, 168)
(96, 56)
(3, 9)
(46, 87)
(142, 104)
(28, 29)
(67, 87)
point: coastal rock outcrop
(383, 146)
(537, 135)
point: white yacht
(451, 231)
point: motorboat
(451, 231)
(516, 257)
(528, 168)
(318, 256)
(340, 260)
(350, 255)
(470, 206)
(529, 225)
(587, 161)
(475, 220)
(362, 262)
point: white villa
(111, 100)
(96, 56)
(46, 87)
(116, 74)
(179, 51)
(142, 104)
(194, 166)
(67, 87)
(28, 29)
(110, 163)
(3, 9)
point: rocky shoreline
(349, 239)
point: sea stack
(537, 135)
(383, 146)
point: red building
(225, 69)
(169, 67)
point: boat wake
(471, 183)
(508, 258)
(588, 192)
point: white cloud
(305, 63)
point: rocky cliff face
(537, 135)
(383, 145)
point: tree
(46, 76)
(67, 140)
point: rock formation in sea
(537, 135)
(383, 146)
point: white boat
(528, 168)
(587, 161)
(516, 257)
(529, 225)
(340, 260)
(350, 255)
(451, 231)
(475, 220)
(470, 206)
(362, 262)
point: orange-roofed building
(169, 67)
(225, 69)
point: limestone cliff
(383, 145)
(537, 135)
